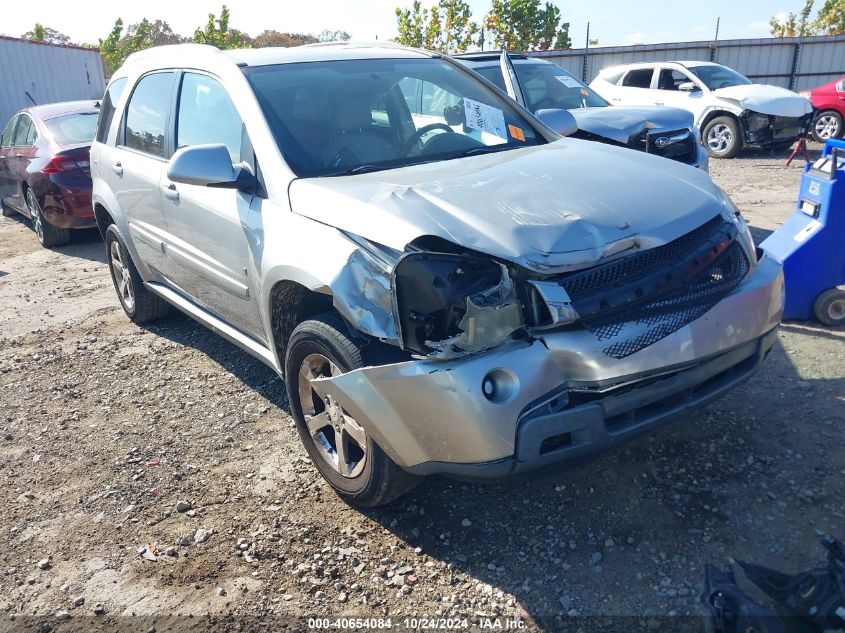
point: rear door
(19, 157)
(208, 254)
(7, 182)
(138, 165)
(635, 88)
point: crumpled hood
(550, 208)
(620, 123)
(767, 99)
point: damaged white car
(446, 285)
(730, 111)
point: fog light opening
(500, 386)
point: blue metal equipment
(811, 243)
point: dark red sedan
(829, 102)
(45, 171)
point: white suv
(730, 111)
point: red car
(829, 102)
(45, 171)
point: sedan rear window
(71, 129)
(348, 116)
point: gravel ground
(156, 471)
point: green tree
(217, 32)
(794, 25)
(329, 35)
(831, 18)
(446, 27)
(41, 33)
(275, 38)
(527, 25)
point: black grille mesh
(619, 272)
(665, 312)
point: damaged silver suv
(445, 284)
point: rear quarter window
(107, 108)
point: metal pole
(586, 52)
(715, 41)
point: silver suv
(446, 285)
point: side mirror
(688, 86)
(561, 121)
(209, 166)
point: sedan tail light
(63, 163)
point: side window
(8, 131)
(207, 115)
(493, 74)
(22, 134)
(638, 78)
(670, 79)
(107, 106)
(146, 115)
(435, 100)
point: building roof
(39, 43)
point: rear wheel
(827, 125)
(721, 137)
(829, 307)
(48, 235)
(343, 452)
(139, 304)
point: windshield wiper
(475, 151)
(359, 169)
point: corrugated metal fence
(34, 72)
(791, 62)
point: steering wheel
(416, 136)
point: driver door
(668, 93)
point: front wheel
(343, 452)
(47, 234)
(721, 137)
(827, 125)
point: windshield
(73, 128)
(547, 86)
(339, 117)
(715, 77)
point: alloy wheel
(122, 278)
(827, 127)
(836, 310)
(720, 138)
(35, 212)
(341, 442)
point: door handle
(117, 168)
(170, 192)
(658, 103)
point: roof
(40, 43)
(52, 110)
(485, 55)
(179, 54)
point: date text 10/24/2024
(417, 623)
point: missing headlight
(453, 304)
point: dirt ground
(106, 426)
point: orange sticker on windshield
(516, 132)
(585, 92)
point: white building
(35, 73)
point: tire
(139, 304)
(721, 137)
(827, 125)
(47, 234)
(829, 307)
(361, 475)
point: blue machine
(811, 243)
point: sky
(612, 22)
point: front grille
(678, 145)
(636, 301)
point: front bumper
(431, 417)
(766, 130)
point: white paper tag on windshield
(569, 82)
(481, 116)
